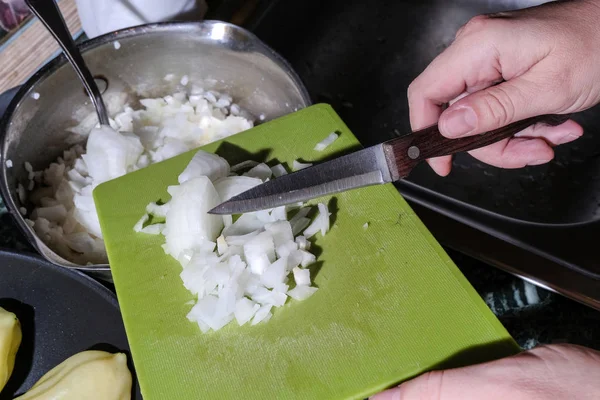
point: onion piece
(321, 222)
(260, 171)
(154, 229)
(245, 309)
(278, 170)
(301, 276)
(279, 214)
(245, 224)
(285, 249)
(275, 273)
(243, 165)
(188, 222)
(221, 245)
(231, 186)
(281, 231)
(302, 292)
(156, 210)
(263, 314)
(297, 166)
(323, 144)
(302, 242)
(205, 164)
(139, 225)
(260, 252)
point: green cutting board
(390, 305)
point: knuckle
(476, 24)
(499, 106)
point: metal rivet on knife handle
(413, 152)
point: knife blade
(383, 163)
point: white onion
(263, 314)
(260, 252)
(297, 166)
(323, 144)
(301, 276)
(278, 170)
(302, 292)
(299, 225)
(139, 225)
(160, 129)
(245, 310)
(231, 186)
(243, 165)
(188, 223)
(302, 242)
(158, 211)
(205, 164)
(260, 171)
(321, 222)
(275, 273)
(238, 272)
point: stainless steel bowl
(214, 55)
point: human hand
(546, 60)
(555, 372)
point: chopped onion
(263, 314)
(238, 270)
(245, 309)
(205, 164)
(298, 165)
(260, 252)
(301, 276)
(159, 129)
(243, 165)
(322, 145)
(139, 225)
(321, 222)
(231, 186)
(221, 245)
(154, 229)
(278, 170)
(299, 225)
(260, 171)
(156, 210)
(188, 222)
(303, 243)
(302, 292)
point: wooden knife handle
(409, 150)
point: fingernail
(392, 394)
(538, 162)
(567, 138)
(460, 122)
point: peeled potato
(89, 375)
(10, 340)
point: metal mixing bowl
(214, 55)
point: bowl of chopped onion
(168, 87)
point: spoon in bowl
(47, 11)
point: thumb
(428, 386)
(495, 107)
(474, 382)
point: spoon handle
(49, 14)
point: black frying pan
(62, 312)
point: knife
(383, 163)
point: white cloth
(102, 16)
